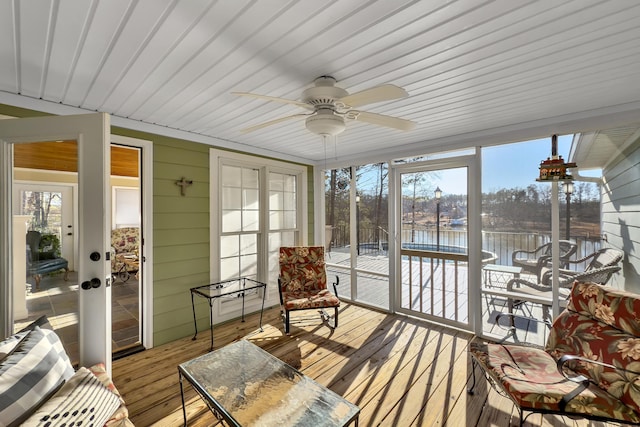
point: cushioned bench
(39, 387)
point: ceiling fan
(331, 107)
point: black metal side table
(234, 288)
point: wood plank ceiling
(477, 72)
(63, 156)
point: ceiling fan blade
(387, 121)
(275, 99)
(375, 94)
(272, 122)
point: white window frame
(264, 166)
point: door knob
(93, 283)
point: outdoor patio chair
(598, 276)
(302, 284)
(605, 257)
(533, 261)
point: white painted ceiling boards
(477, 72)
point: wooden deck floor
(399, 371)
(434, 295)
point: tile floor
(58, 298)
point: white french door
(90, 132)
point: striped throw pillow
(10, 343)
(82, 401)
(30, 374)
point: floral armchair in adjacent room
(125, 250)
(303, 283)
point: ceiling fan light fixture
(331, 106)
(325, 122)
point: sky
(503, 166)
(506, 166)
(519, 163)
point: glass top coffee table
(243, 385)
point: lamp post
(567, 187)
(438, 196)
(413, 212)
(358, 223)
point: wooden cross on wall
(183, 184)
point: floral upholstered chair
(125, 250)
(303, 283)
(590, 366)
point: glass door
(36, 277)
(38, 211)
(433, 263)
(126, 249)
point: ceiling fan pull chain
(324, 143)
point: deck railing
(375, 241)
(434, 284)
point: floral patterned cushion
(125, 240)
(608, 305)
(125, 243)
(531, 378)
(600, 324)
(302, 269)
(309, 299)
(596, 326)
(120, 418)
(303, 278)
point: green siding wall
(180, 232)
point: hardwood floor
(399, 371)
